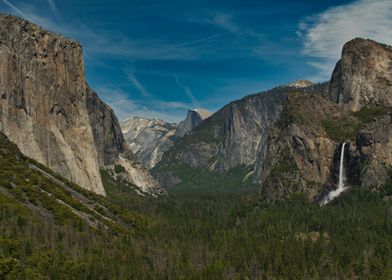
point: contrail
(54, 9)
(16, 9)
(187, 92)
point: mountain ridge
(148, 139)
(297, 149)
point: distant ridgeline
(148, 139)
(288, 139)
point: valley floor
(231, 236)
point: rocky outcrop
(43, 101)
(233, 138)
(192, 120)
(370, 155)
(48, 110)
(108, 138)
(301, 155)
(363, 76)
(299, 84)
(148, 139)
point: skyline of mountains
(231, 146)
(234, 194)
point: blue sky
(156, 59)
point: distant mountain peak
(192, 120)
(299, 84)
(202, 112)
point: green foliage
(341, 128)
(119, 168)
(282, 167)
(368, 114)
(346, 126)
(230, 235)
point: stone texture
(108, 138)
(363, 76)
(300, 155)
(235, 136)
(371, 153)
(49, 111)
(148, 139)
(43, 101)
(299, 84)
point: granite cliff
(193, 119)
(148, 139)
(363, 75)
(304, 145)
(49, 111)
(228, 142)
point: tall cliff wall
(48, 110)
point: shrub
(119, 168)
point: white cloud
(324, 34)
(222, 20)
(216, 18)
(125, 106)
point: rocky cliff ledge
(363, 75)
(48, 110)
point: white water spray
(341, 188)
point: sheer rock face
(234, 137)
(371, 153)
(363, 76)
(300, 155)
(192, 120)
(48, 110)
(108, 138)
(43, 101)
(245, 131)
(148, 139)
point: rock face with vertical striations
(363, 76)
(108, 138)
(49, 111)
(229, 143)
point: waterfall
(335, 193)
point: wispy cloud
(187, 92)
(222, 20)
(126, 107)
(324, 34)
(136, 83)
(55, 11)
(17, 10)
(99, 42)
